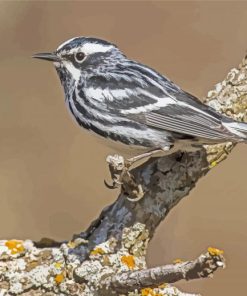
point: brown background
(51, 172)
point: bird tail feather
(239, 129)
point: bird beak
(48, 56)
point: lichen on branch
(108, 270)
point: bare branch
(204, 266)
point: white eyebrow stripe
(87, 48)
(66, 42)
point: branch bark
(111, 252)
(203, 266)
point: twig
(204, 266)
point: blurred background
(51, 171)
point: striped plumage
(130, 103)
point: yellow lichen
(71, 244)
(58, 265)
(212, 164)
(147, 292)
(15, 246)
(97, 251)
(129, 261)
(215, 252)
(59, 278)
(177, 261)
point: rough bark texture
(109, 257)
(203, 266)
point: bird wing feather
(150, 98)
(189, 116)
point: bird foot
(121, 176)
(116, 165)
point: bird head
(78, 55)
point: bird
(131, 106)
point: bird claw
(109, 186)
(121, 177)
(116, 166)
(115, 184)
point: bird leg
(142, 156)
(121, 176)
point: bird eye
(79, 57)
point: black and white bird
(132, 105)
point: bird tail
(238, 129)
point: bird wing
(184, 114)
(189, 118)
(142, 95)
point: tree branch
(204, 266)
